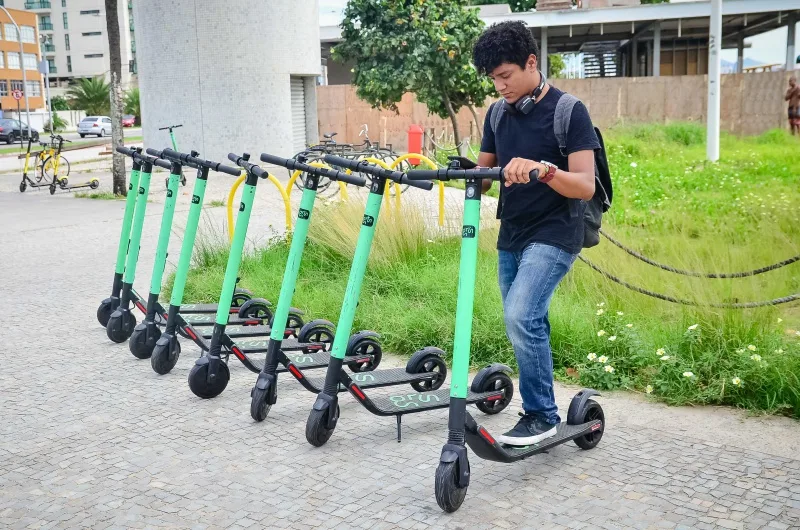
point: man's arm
(486, 160)
(575, 184)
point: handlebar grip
(278, 161)
(235, 171)
(422, 174)
(160, 162)
(351, 179)
(125, 151)
(353, 165)
(153, 152)
(248, 166)
(426, 185)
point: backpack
(603, 190)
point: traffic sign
(17, 94)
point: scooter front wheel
(259, 406)
(201, 387)
(317, 431)
(449, 496)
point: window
(28, 34)
(92, 33)
(11, 32)
(13, 61)
(17, 85)
(69, 63)
(92, 55)
(51, 65)
(66, 26)
(91, 12)
(106, 120)
(34, 88)
(2, 60)
(3, 88)
(63, 3)
(66, 41)
(31, 62)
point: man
(541, 227)
(793, 97)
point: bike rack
(432, 165)
(238, 182)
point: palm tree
(115, 99)
(90, 95)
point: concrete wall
(222, 70)
(751, 104)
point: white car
(98, 125)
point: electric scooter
(41, 178)
(265, 391)
(108, 305)
(210, 375)
(425, 370)
(145, 335)
(585, 418)
(174, 147)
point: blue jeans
(527, 282)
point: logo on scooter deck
(303, 214)
(363, 378)
(412, 400)
(195, 199)
(468, 231)
(368, 220)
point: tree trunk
(115, 94)
(454, 120)
(477, 121)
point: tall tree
(115, 94)
(421, 46)
(90, 95)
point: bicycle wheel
(63, 167)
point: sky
(766, 48)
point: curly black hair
(504, 42)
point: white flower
(736, 381)
(751, 347)
(665, 357)
(740, 350)
(780, 320)
(756, 357)
(609, 369)
(600, 312)
(661, 351)
(602, 359)
(628, 325)
(649, 389)
(612, 338)
(693, 327)
(601, 304)
(430, 241)
(779, 351)
(620, 313)
(592, 356)
(634, 164)
(601, 333)
(797, 333)
(688, 374)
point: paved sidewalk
(92, 437)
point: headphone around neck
(524, 105)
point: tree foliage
(90, 95)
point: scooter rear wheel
(449, 496)
(199, 385)
(592, 411)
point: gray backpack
(603, 190)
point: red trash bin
(415, 133)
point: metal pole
(740, 55)
(49, 101)
(22, 64)
(792, 22)
(657, 50)
(543, 53)
(714, 86)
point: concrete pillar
(790, 58)
(222, 69)
(634, 57)
(740, 54)
(543, 52)
(649, 59)
(657, 49)
(714, 85)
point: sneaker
(530, 429)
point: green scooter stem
(164, 233)
(136, 232)
(189, 237)
(127, 218)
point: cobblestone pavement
(92, 437)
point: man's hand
(518, 171)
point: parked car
(128, 120)
(96, 125)
(11, 131)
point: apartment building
(11, 64)
(76, 43)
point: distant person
(793, 97)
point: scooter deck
(486, 447)
(259, 345)
(202, 308)
(243, 331)
(208, 319)
(375, 379)
(397, 404)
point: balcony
(53, 70)
(45, 26)
(49, 48)
(38, 5)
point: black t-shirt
(535, 212)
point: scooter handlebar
(363, 166)
(193, 161)
(242, 162)
(295, 165)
